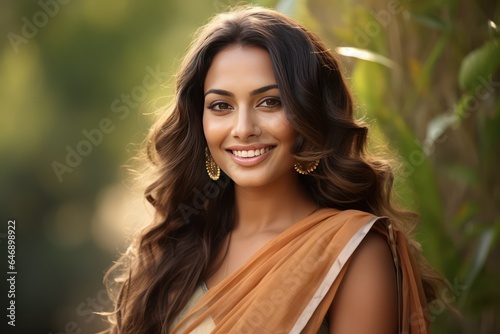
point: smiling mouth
(251, 153)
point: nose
(245, 124)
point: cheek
(282, 129)
(213, 131)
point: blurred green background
(80, 82)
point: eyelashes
(219, 106)
(268, 103)
(271, 102)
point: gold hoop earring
(213, 170)
(306, 168)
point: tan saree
(289, 284)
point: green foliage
(434, 100)
(481, 62)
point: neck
(273, 207)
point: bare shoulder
(366, 301)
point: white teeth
(251, 153)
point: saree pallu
(290, 283)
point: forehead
(237, 66)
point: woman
(270, 215)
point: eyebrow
(252, 93)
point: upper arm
(366, 301)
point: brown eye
(219, 106)
(270, 103)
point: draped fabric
(290, 283)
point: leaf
(431, 62)
(493, 28)
(366, 55)
(480, 63)
(482, 252)
(370, 86)
(465, 106)
(435, 129)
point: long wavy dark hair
(154, 280)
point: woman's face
(244, 121)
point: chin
(259, 179)
(249, 183)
